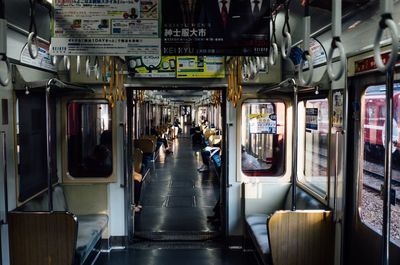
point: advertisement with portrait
(211, 27)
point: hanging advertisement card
(106, 27)
(200, 67)
(210, 27)
(151, 67)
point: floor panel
(176, 197)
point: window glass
(32, 140)
(263, 135)
(89, 139)
(373, 135)
(314, 119)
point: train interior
(290, 158)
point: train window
(89, 136)
(31, 143)
(373, 151)
(263, 135)
(314, 123)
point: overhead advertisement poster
(211, 27)
(200, 67)
(150, 67)
(262, 123)
(106, 27)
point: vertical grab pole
(4, 154)
(388, 168)
(129, 190)
(294, 144)
(48, 145)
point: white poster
(43, 59)
(337, 117)
(106, 27)
(105, 46)
(262, 123)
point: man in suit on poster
(181, 12)
(257, 16)
(223, 17)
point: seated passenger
(249, 162)
(206, 154)
(137, 177)
(100, 161)
(161, 140)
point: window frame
(322, 196)
(66, 176)
(262, 174)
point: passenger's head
(106, 138)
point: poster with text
(337, 117)
(312, 118)
(106, 27)
(200, 67)
(210, 27)
(262, 123)
(43, 60)
(151, 67)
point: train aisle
(172, 227)
(176, 198)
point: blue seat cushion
(90, 228)
(256, 219)
(257, 224)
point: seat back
(38, 238)
(302, 237)
(137, 160)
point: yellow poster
(200, 67)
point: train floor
(172, 226)
(176, 198)
(183, 253)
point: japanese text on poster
(262, 123)
(207, 27)
(106, 27)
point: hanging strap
(307, 56)
(286, 46)
(273, 52)
(32, 37)
(336, 42)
